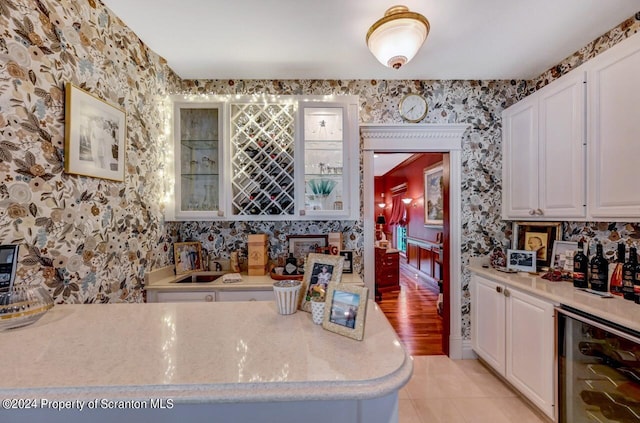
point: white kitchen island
(197, 362)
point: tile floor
(459, 391)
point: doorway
(408, 138)
(414, 226)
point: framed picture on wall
(95, 131)
(538, 237)
(433, 197)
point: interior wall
(87, 239)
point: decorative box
(335, 243)
(258, 254)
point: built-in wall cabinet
(576, 133)
(257, 158)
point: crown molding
(437, 135)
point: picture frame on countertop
(95, 134)
(301, 245)
(433, 197)
(320, 272)
(188, 257)
(538, 237)
(348, 261)
(345, 310)
(521, 260)
(562, 255)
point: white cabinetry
(513, 332)
(544, 153)
(614, 132)
(255, 158)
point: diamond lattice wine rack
(262, 148)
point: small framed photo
(188, 257)
(538, 237)
(521, 260)
(320, 271)
(563, 252)
(433, 197)
(95, 131)
(345, 310)
(348, 261)
(301, 245)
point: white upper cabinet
(265, 158)
(544, 153)
(614, 132)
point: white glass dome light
(396, 38)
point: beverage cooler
(598, 369)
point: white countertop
(165, 279)
(616, 310)
(198, 352)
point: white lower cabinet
(180, 296)
(513, 332)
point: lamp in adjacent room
(407, 201)
(396, 37)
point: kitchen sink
(198, 278)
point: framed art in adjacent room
(538, 237)
(95, 134)
(188, 257)
(433, 198)
(345, 310)
(521, 260)
(320, 271)
(301, 245)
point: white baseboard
(460, 349)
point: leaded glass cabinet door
(198, 145)
(329, 186)
(262, 160)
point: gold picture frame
(433, 196)
(188, 257)
(345, 310)
(315, 278)
(95, 133)
(539, 237)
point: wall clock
(413, 108)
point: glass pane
(199, 159)
(324, 152)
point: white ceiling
(304, 39)
(383, 163)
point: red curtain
(398, 212)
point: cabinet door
(562, 148)
(613, 144)
(197, 134)
(266, 295)
(520, 159)
(328, 176)
(530, 348)
(488, 325)
(183, 297)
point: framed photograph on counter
(521, 260)
(345, 310)
(301, 245)
(562, 256)
(320, 271)
(188, 257)
(348, 261)
(538, 237)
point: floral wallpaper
(91, 240)
(86, 239)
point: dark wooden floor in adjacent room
(412, 313)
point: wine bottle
(291, 265)
(615, 284)
(580, 268)
(599, 271)
(630, 275)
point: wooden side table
(387, 270)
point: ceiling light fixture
(396, 37)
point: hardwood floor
(412, 313)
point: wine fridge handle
(599, 325)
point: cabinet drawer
(182, 297)
(266, 295)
